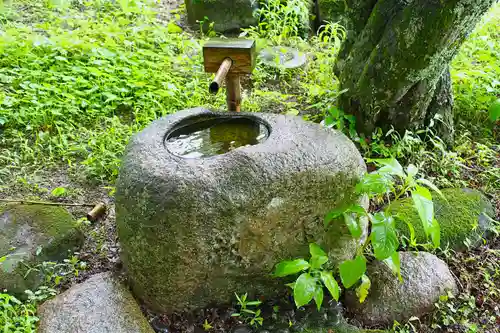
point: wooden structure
(229, 58)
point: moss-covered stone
(463, 217)
(29, 235)
(195, 230)
(226, 14)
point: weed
(16, 316)
(309, 285)
(56, 273)
(391, 180)
(247, 314)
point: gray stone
(29, 235)
(283, 57)
(242, 329)
(464, 217)
(226, 14)
(101, 304)
(196, 230)
(425, 278)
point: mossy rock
(464, 217)
(29, 235)
(227, 15)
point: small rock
(99, 305)
(29, 235)
(283, 330)
(159, 326)
(283, 57)
(242, 329)
(425, 278)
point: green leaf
(58, 192)
(430, 185)
(412, 170)
(330, 284)
(356, 209)
(317, 261)
(495, 111)
(352, 270)
(304, 290)
(316, 251)
(352, 225)
(334, 213)
(173, 28)
(436, 233)
(394, 263)
(363, 289)
(390, 166)
(383, 236)
(374, 184)
(291, 267)
(422, 199)
(318, 296)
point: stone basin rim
(213, 115)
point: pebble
(242, 329)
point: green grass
(16, 316)
(75, 87)
(476, 72)
(77, 81)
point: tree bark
(395, 63)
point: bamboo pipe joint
(229, 59)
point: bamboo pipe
(221, 75)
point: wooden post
(233, 92)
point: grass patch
(475, 73)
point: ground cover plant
(78, 78)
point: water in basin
(215, 136)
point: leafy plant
(56, 273)
(58, 192)
(281, 21)
(389, 181)
(337, 119)
(250, 316)
(16, 316)
(312, 278)
(495, 110)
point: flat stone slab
(101, 304)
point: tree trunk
(395, 61)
